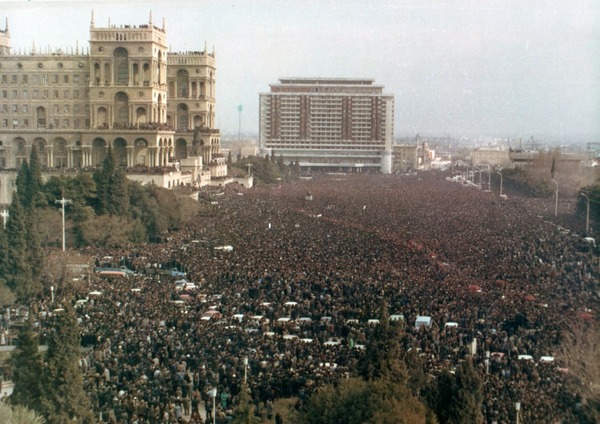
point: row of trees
(51, 385)
(390, 389)
(105, 209)
(267, 170)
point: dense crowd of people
(299, 293)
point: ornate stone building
(155, 108)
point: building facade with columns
(154, 108)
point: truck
(173, 272)
(120, 272)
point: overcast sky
(460, 68)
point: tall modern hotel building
(331, 124)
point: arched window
(102, 117)
(141, 152)
(160, 112)
(96, 73)
(121, 108)
(98, 151)
(60, 153)
(146, 74)
(106, 73)
(198, 121)
(121, 67)
(120, 151)
(182, 83)
(182, 117)
(180, 149)
(159, 67)
(140, 115)
(41, 117)
(136, 73)
(40, 143)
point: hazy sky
(470, 67)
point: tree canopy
(63, 398)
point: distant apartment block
(333, 124)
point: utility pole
(240, 108)
(555, 198)
(63, 202)
(587, 213)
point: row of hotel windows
(36, 78)
(36, 94)
(25, 108)
(53, 123)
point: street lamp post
(63, 202)
(4, 214)
(587, 213)
(501, 181)
(213, 394)
(518, 408)
(240, 108)
(555, 198)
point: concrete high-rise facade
(334, 124)
(154, 108)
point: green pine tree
(244, 412)
(467, 397)
(7, 296)
(35, 253)
(21, 185)
(27, 369)
(439, 396)
(63, 398)
(357, 401)
(18, 269)
(111, 188)
(3, 255)
(382, 356)
(34, 182)
(18, 415)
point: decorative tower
(128, 67)
(5, 40)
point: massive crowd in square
(296, 297)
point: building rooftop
(327, 81)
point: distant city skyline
(457, 68)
